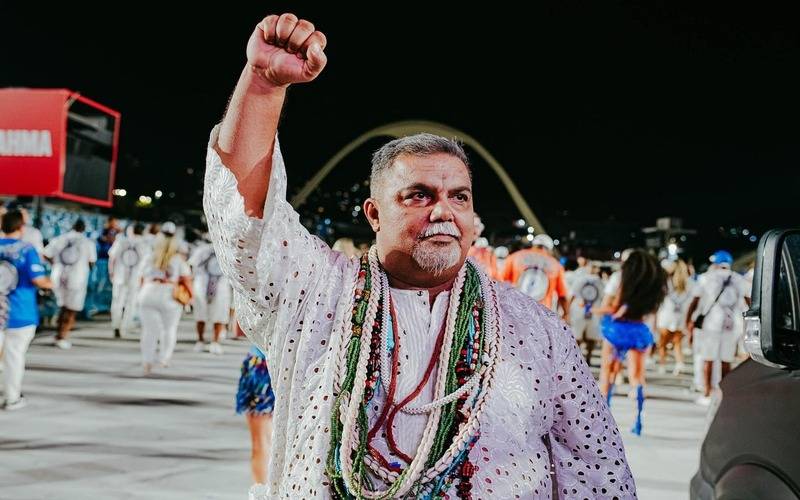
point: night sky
(608, 112)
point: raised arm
(271, 260)
(282, 50)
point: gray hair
(423, 144)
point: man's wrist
(257, 83)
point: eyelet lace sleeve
(273, 263)
(588, 453)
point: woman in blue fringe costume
(255, 400)
(642, 289)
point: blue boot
(609, 395)
(637, 425)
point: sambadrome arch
(404, 128)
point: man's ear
(371, 213)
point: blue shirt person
(19, 266)
(21, 273)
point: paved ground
(96, 429)
(665, 457)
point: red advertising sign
(32, 124)
(55, 142)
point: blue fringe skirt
(255, 396)
(626, 335)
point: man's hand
(43, 282)
(284, 49)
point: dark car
(752, 449)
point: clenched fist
(284, 50)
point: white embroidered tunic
(291, 291)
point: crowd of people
(145, 267)
(669, 297)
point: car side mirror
(772, 324)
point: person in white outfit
(31, 234)
(73, 256)
(152, 232)
(126, 258)
(212, 295)
(584, 267)
(586, 293)
(721, 296)
(671, 316)
(160, 313)
(411, 341)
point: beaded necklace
(466, 351)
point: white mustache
(436, 228)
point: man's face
(423, 218)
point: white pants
(216, 311)
(716, 346)
(15, 342)
(699, 367)
(583, 328)
(123, 305)
(160, 315)
(71, 298)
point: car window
(788, 298)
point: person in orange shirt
(539, 275)
(481, 252)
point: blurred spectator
(586, 293)
(31, 234)
(21, 273)
(125, 260)
(159, 311)
(72, 255)
(481, 252)
(212, 295)
(671, 317)
(345, 246)
(539, 275)
(721, 296)
(107, 237)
